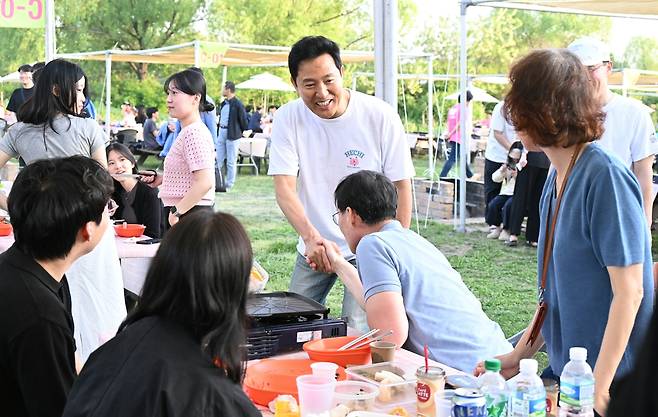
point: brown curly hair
(552, 99)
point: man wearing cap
(232, 122)
(629, 132)
(21, 95)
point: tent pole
(430, 115)
(50, 30)
(224, 76)
(108, 89)
(196, 53)
(354, 82)
(386, 51)
(463, 149)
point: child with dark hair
(498, 209)
(58, 210)
(181, 351)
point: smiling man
(21, 95)
(326, 134)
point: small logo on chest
(354, 158)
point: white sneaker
(504, 235)
(494, 233)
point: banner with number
(22, 13)
(211, 54)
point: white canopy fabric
(209, 54)
(265, 81)
(643, 9)
(11, 77)
(478, 95)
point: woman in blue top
(599, 287)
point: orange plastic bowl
(269, 378)
(326, 350)
(5, 229)
(129, 230)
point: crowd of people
(342, 174)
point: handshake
(322, 254)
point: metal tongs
(364, 339)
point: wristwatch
(173, 210)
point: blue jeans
(316, 285)
(227, 149)
(452, 158)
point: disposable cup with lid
(324, 369)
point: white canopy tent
(645, 9)
(478, 95)
(265, 81)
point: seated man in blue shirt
(58, 210)
(404, 282)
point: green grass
(502, 278)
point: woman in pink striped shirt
(188, 181)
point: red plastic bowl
(129, 230)
(326, 350)
(269, 378)
(5, 229)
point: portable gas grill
(283, 321)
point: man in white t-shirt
(629, 132)
(326, 134)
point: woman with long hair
(188, 181)
(594, 242)
(52, 126)
(180, 352)
(136, 201)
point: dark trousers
(498, 211)
(165, 215)
(491, 188)
(527, 193)
(452, 157)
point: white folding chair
(251, 148)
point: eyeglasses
(334, 217)
(592, 68)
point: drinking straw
(427, 364)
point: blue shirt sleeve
(616, 217)
(378, 267)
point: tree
(127, 24)
(641, 52)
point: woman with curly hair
(598, 289)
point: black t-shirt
(37, 349)
(538, 160)
(18, 97)
(155, 368)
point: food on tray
(340, 411)
(386, 377)
(399, 411)
(284, 406)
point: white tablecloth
(135, 259)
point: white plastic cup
(324, 369)
(443, 402)
(316, 394)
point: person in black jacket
(137, 202)
(181, 352)
(58, 210)
(232, 121)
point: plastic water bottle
(577, 386)
(492, 385)
(527, 393)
